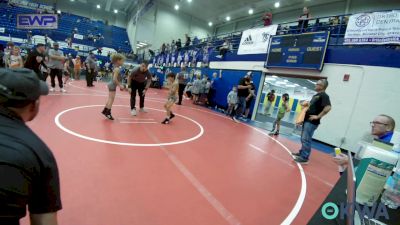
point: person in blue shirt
(382, 127)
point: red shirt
(267, 19)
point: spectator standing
(139, 81)
(163, 48)
(281, 113)
(15, 59)
(303, 20)
(213, 89)
(270, 100)
(232, 100)
(29, 174)
(188, 40)
(196, 88)
(267, 18)
(8, 52)
(243, 93)
(320, 105)
(77, 67)
(182, 80)
(249, 99)
(178, 44)
(90, 69)
(35, 59)
(56, 59)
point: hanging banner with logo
(37, 21)
(2, 29)
(373, 28)
(32, 5)
(78, 36)
(255, 41)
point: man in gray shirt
(56, 59)
(139, 80)
(91, 65)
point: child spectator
(281, 113)
(232, 100)
(15, 59)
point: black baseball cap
(20, 85)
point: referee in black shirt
(28, 170)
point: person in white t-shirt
(16, 59)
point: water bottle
(391, 196)
(341, 168)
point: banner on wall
(37, 21)
(2, 29)
(255, 41)
(78, 36)
(373, 28)
(31, 5)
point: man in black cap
(28, 170)
(35, 59)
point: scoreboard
(301, 51)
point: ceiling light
(189, 1)
(290, 85)
(228, 18)
(210, 24)
(59, 11)
(304, 88)
(176, 7)
(115, 10)
(72, 0)
(286, 81)
(251, 11)
(296, 85)
(277, 4)
(98, 6)
(274, 76)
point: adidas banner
(255, 41)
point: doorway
(300, 89)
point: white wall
(369, 92)
(163, 24)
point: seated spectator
(196, 40)
(226, 46)
(303, 20)
(382, 127)
(267, 18)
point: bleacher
(114, 37)
(337, 30)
